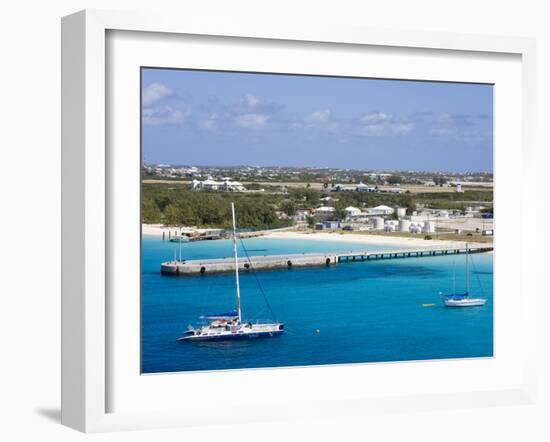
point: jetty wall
(271, 262)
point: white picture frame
(86, 353)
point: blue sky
(223, 118)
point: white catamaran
(230, 326)
(463, 299)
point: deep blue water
(349, 313)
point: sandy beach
(366, 239)
(156, 229)
(358, 238)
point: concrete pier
(271, 262)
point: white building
(324, 212)
(393, 190)
(210, 184)
(361, 187)
(324, 209)
(381, 210)
(352, 211)
(343, 188)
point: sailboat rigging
(230, 325)
(463, 299)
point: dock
(290, 261)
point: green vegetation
(454, 200)
(174, 203)
(395, 179)
(180, 206)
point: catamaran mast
(181, 228)
(236, 261)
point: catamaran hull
(232, 336)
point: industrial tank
(404, 225)
(401, 212)
(429, 227)
(378, 223)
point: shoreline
(358, 238)
(157, 229)
(371, 239)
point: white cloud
(251, 101)
(253, 121)
(164, 115)
(378, 124)
(210, 123)
(252, 104)
(401, 128)
(375, 117)
(154, 93)
(386, 128)
(441, 131)
(321, 116)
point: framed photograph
(309, 217)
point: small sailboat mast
(463, 299)
(454, 277)
(467, 270)
(236, 261)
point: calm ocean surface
(349, 313)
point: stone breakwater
(289, 261)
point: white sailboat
(230, 326)
(463, 299)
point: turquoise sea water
(350, 313)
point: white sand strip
(368, 239)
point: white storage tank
(429, 227)
(401, 212)
(404, 225)
(378, 223)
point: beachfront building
(301, 215)
(352, 211)
(327, 225)
(323, 213)
(225, 185)
(381, 211)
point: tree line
(181, 206)
(178, 205)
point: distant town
(444, 204)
